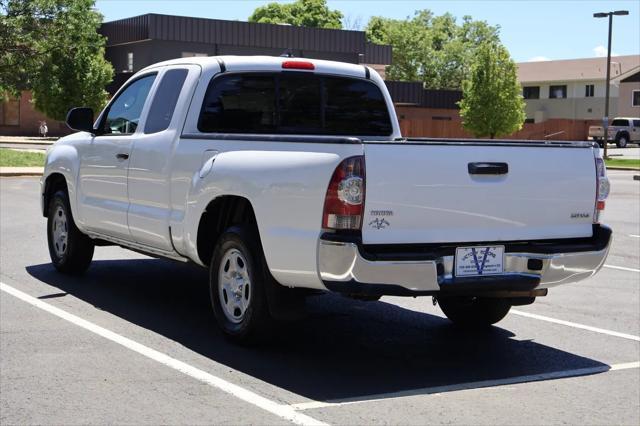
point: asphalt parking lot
(133, 341)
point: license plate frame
(477, 261)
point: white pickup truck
(287, 177)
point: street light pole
(605, 120)
(606, 96)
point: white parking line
(622, 268)
(576, 325)
(634, 236)
(283, 411)
(469, 386)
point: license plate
(474, 261)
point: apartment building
(573, 89)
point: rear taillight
(344, 202)
(602, 189)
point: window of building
(130, 61)
(10, 112)
(123, 115)
(529, 120)
(193, 54)
(588, 90)
(294, 103)
(165, 100)
(556, 92)
(531, 92)
(441, 118)
(635, 98)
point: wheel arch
(221, 213)
(54, 182)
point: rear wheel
(237, 285)
(474, 312)
(70, 250)
(621, 141)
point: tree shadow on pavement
(343, 350)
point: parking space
(570, 357)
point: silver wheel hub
(234, 285)
(60, 232)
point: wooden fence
(553, 129)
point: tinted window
(636, 123)
(620, 122)
(239, 104)
(294, 103)
(299, 104)
(354, 107)
(124, 113)
(164, 101)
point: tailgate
(429, 193)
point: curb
(629, 169)
(21, 171)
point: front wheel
(474, 312)
(70, 250)
(237, 285)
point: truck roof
(268, 63)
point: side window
(124, 113)
(239, 104)
(165, 100)
(636, 123)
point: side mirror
(80, 119)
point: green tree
(433, 49)
(491, 104)
(57, 51)
(304, 13)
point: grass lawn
(622, 162)
(13, 158)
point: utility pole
(605, 120)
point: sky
(530, 29)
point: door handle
(122, 156)
(488, 168)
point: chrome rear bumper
(345, 266)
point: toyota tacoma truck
(287, 177)
(622, 131)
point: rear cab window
(294, 103)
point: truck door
(104, 164)
(149, 179)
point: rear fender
(286, 190)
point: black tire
(474, 312)
(242, 325)
(622, 141)
(72, 253)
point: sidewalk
(28, 140)
(21, 171)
